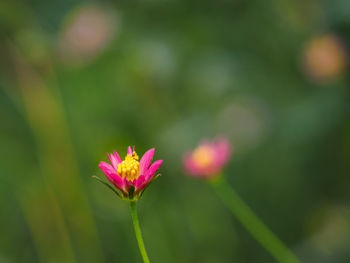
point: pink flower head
(130, 176)
(208, 159)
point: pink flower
(130, 176)
(208, 159)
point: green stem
(252, 223)
(138, 234)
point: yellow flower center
(203, 156)
(130, 167)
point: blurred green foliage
(78, 80)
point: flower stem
(252, 223)
(138, 234)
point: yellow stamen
(203, 156)
(130, 167)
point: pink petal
(152, 169)
(190, 165)
(141, 186)
(146, 160)
(139, 181)
(129, 150)
(127, 183)
(116, 155)
(107, 168)
(223, 150)
(112, 175)
(114, 160)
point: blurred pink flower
(208, 159)
(130, 176)
(86, 32)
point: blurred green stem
(138, 234)
(252, 223)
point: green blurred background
(79, 79)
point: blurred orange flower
(324, 57)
